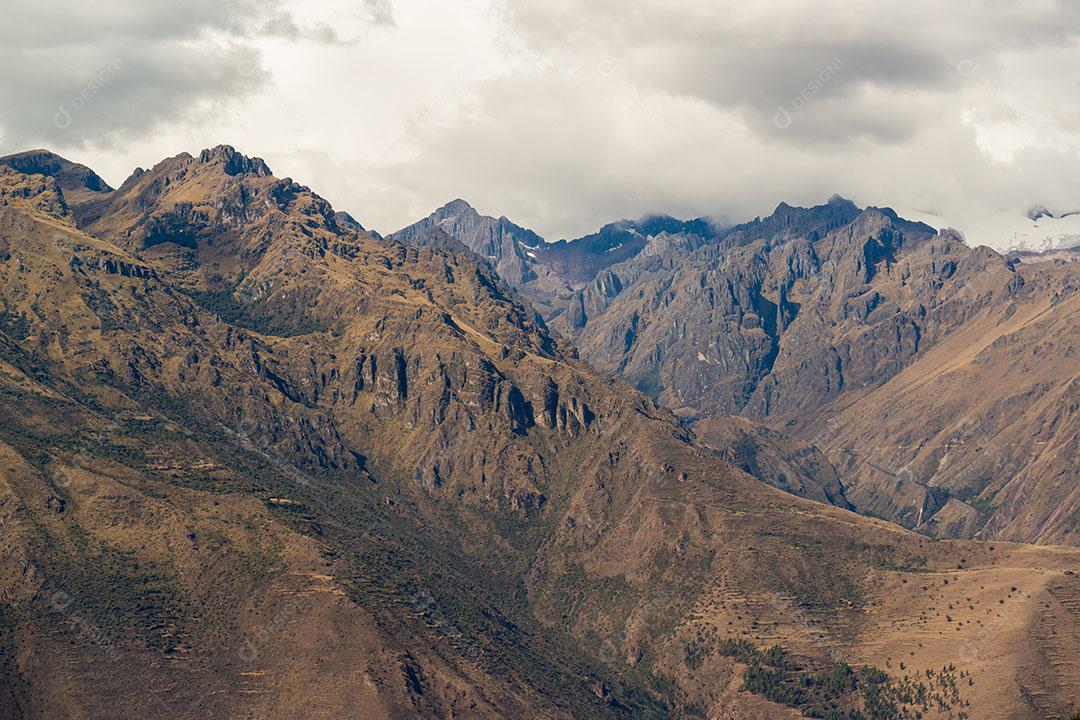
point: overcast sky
(564, 114)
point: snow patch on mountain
(1036, 229)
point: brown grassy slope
(774, 458)
(122, 342)
(989, 416)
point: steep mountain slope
(657, 258)
(771, 321)
(980, 436)
(667, 251)
(832, 324)
(167, 406)
(236, 429)
(572, 281)
(773, 458)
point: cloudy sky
(564, 114)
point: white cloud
(570, 113)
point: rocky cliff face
(266, 464)
(736, 326)
(807, 320)
(509, 248)
(977, 437)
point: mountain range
(857, 332)
(257, 461)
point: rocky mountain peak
(496, 239)
(345, 220)
(216, 207)
(788, 222)
(872, 218)
(70, 176)
(235, 163)
(456, 207)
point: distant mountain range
(257, 461)
(551, 272)
(814, 321)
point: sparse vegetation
(15, 326)
(837, 691)
(286, 319)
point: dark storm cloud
(857, 70)
(772, 82)
(109, 93)
(73, 73)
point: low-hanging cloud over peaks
(568, 114)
